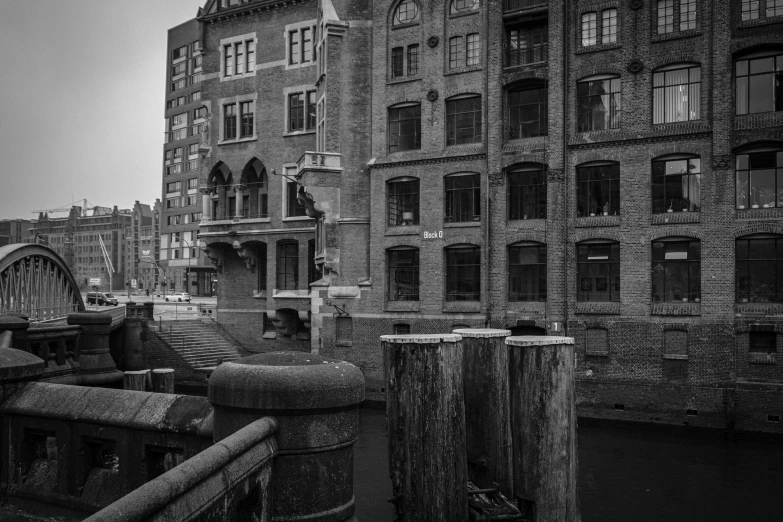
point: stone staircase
(196, 343)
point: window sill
(405, 230)
(462, 306)
(531, 144)
(597, 221)
(402, 306)
(758, 120)
(465, 12)
(465, 69)
(597, 48)
(597, 354)
(254, 220)
(298, 133)
(343, 344)
(291, 294)
(240, 140)
(260, 295)
(675, 218)
(747, 24)
(524, 224)
(676, 35)
(768, 359)
(403, 79)
(526, 307)
(404, 26)
(523, 66)
(462, 224)
(758, 308)
(608, 308)
(675, 357)
(238, 76)
(675, 309)
(759, 213)
(298, 218)
(293, 66)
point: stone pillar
(17, 368)
(239, 194)
(206, 205)
(18, 326)
(488, 435)
(163, 380)
(543, 426)
(425, 416)
(316, 403)
(97, 368)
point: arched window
(403, 276)
(759, 82)
(676, 184)
(677, 93)
(759, 268)
(463, 119)
(598, 189)
(463, 197)
(463, 273)
(407, 12)
(405, 127)
(527, 192)
(462, 6)
(403, 201)
(598, 270)
(528, 111)
(760, 179)
(287, 265)
(527, 272)
(256, 194)
(676, 270)
(598, 103)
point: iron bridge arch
(35, 281)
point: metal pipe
(565, 32)
(487, 248)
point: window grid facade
(676, 185)
(665, 16)
(403, 276)
(463, 120)
(527, 272)
(528, 112)
(527, 194)
(589, 29)
(759, 84)
(677, 94)
(230, 121)
(463, 198)
(403, 202)
(527, 45)
(759, 269)
(599, 105)
(760, 179)
(405, 128)
(598, 190)
(676, 271)
(598, 272)
(413, 60)
(463, 273)
(608, 26)
(287, 265)
(456, 50)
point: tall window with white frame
(759, 268)
(301, 46)
(247, 128)
(759, 82)
(413, 60)
(287, 265)
(760, 179)
(527, 193)
(527, 272)
(676, 184)
(599, 104)
(676, 270)
(239, 58)
(609, 26)
(403, 275)
(589, 29)
(675, 15)
(403, 202)
(677, 93)
(230, 121)
(463, 119)
(463, 273)
(463, 198)
(598, 271)
(456, 52)
(301, 111)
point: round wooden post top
(482, 332)
(538, 340)
(163, 370)
(421, 338)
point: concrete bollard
(97, 368)
(163, 380)
(425, 416)
(18, 325)
(488, 435)
(543, 426)
(316, 403)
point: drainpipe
(487, 249)
(566, 5)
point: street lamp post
(160, 272)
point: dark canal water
(628, 475)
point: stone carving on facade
(556, 175)
(722, 162)
(496, 179)
(247, 255)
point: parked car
(179, 297)
(101, 299)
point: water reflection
(627, 475)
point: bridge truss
(35, 281)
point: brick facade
(661, 361)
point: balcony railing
(537, 54)
(514, 5)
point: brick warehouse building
(603, 170)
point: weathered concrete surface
(316, 402)
(16, 367)
(97, 368)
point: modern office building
(14, 231)
(609, 171)
(77, 238)
(185, 268)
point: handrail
(178, 490)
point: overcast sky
(82, 87)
